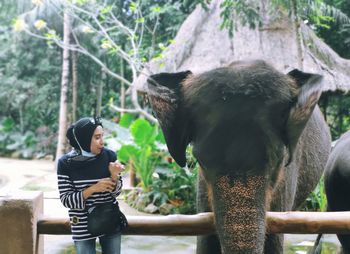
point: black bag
(106, 219)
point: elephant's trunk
(239, 205)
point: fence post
(19, 213)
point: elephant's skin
(337, 182)
(246, 122)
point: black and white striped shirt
(73, 178)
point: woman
(87, 176)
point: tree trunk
(122, 85)
(99, 93)
(74, 85)
(62, 125)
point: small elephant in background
(337, 182)
(259, 137)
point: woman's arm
(106, 184)
(69, 197)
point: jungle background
(62, 60)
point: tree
(29, 68)
(62, 125)
(44, 19)
(74, 85)
(28, 90)
(127, 30)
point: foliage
(162, 181)
(111, 34)
(247, 13)
(315, 12)
(172, 190)
(28, 93)
(25, 145)
(317, 200)
(335, 107)
(337, 34)
(145, 152)
(176, 186)
(30, 69)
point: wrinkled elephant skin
(260, 140)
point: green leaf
(143, 132)
(146, 165)
(156, 9)
(126, 120)
(127, 153)
(7, 125)
(52, 35)
(162, 46)
(133, 6)
(140, 20)
(107, 9)
(160, 137)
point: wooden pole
(309, 222)
(203, 224)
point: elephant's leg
(208, 244)
(345, 243)
(274, 244)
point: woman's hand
(105, 184)
(115, 168)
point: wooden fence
(23, 224)
(203, 223)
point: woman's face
(97, 144)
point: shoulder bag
(106, 219)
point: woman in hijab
(88, 176)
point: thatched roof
(200, 46)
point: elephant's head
(244, 122)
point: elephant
(337, 182)
(260, 140)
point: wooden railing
(23, 225)
(203, 223)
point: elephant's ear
(165, 93)
(310, 88)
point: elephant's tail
(317, 249)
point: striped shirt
(76, 176)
